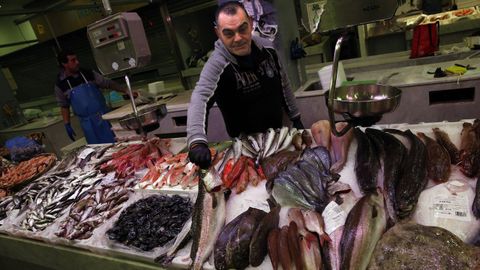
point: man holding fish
(245, 78)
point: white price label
(452, 207)
(334, 217)
(85, 153)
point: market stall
(342, 194)
(143, 204)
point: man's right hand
(70, 131)
(200, 155)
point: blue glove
(71, 133)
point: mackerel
(207, 221)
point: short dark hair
(229, 8)
(62, 56)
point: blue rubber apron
(89, 104)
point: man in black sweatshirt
(245, 78)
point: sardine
(282, 134)
(364, 226)
(253, 142)
(247, 153)
(269, 138)
(260, 139)
(207, 221)
(273, 147)
(248, 146)
(288, 139)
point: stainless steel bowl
(147, 116)
(365, 100)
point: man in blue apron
(80, 88)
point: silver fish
(288, 139)
(207, 221)
(253, 142)
(269, 138)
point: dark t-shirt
(250, 93)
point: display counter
(17, 253)
(41, 238)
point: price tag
(334, 217)
(85, 153)
(452, 207)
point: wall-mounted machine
(119, 43)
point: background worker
(79, 88)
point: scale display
(119, 43)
